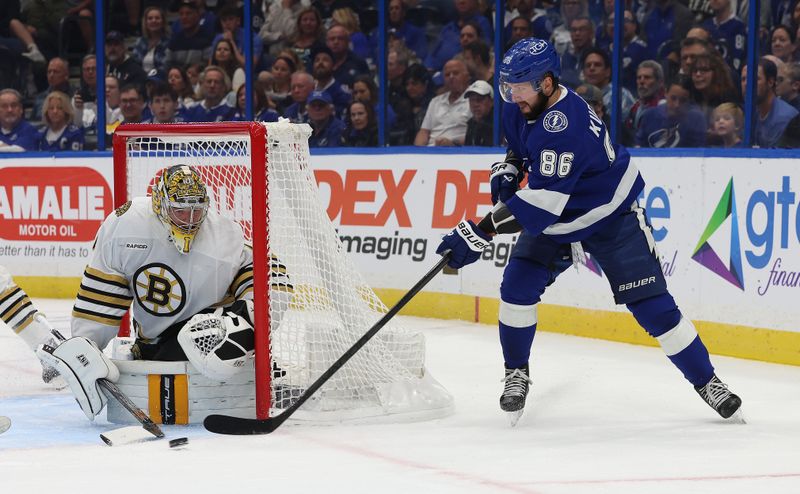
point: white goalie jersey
(134, 264)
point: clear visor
(511, 92)
(186, 217)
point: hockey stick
(117, 393)
(224, 424)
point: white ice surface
(602, 418)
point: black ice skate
(514, 392)
(719, 397)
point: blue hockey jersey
(577, 180)
(731, 38)
(70, 139)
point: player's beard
(532, 112)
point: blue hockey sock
(516, 343)
(694, 363)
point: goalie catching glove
(465, 243)
(219, 343)
(81, 364)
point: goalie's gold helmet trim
(180, 202)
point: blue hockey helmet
(527, 62)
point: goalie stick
(224, 424)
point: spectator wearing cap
(480, 126)
(59, 133)
(16, 133)
(650, 89)
(594, 96)
(413, 36)
(327, 129)
(230, 21)
(150, 49)
(214, 87)
(445, 122)
(164, 106)
(449, 38)
(326, 82)
(361, 126)
(120, 64)
(597, 71)
(674, 123)
(774, 114)
(581, 32)
(302, 87)
(57, 80)
(192, 42)
(346, 64)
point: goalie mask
(180, 202)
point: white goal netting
(330, 306)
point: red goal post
(260, 175)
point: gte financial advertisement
(727, 230)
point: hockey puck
(5, 424)
(177, 443)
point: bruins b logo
(159, 290)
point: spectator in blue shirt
(327, 129)
(302, 87)
(674, 123)
(57, 80)
(448, 40)
(120, 64)
(325, 81)
(346, 64)
(413, 36)
(192, 43)
(774, 114)
(729, 32)
(580, 29)
(164, 105)
(231, 23)
(214, 86)
(59, 133)
(665, 25)
(261, 112)
(16, 134)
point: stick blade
(237, 426)
(127, 435)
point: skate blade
(513, 417)
(737, 417)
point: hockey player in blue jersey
(581, 195)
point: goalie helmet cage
(259, 175)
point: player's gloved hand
(465, 243)
(81, 364)
(504, 181)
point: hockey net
(264, 181)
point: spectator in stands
(42, 23)
(361, 126)
(445, 122)
(570, 9)
(231, 23)
(665, 25)
(59, 134)
(727, 122)
(597, 71)
(788, 84)
(783, 44)
(526, 21)
(448, 41)
(397, 61)
(192, 42)
(412, 104)
(478, 58)
(326, 7)
(650, 89)
(413, 36)
(224, 58)
(690, 49)
(57, 80)
(366, 91)
(346, 64)
(774, 114)
(470, 32)
(302, 87)
(16, 133)
(15, 35)
(519, 28)
(359, 42)
(113, 110)
(280, 21)
(193, 72)
(634, 49)
(164, 105)
(480, 126)
(594, 96)
(308, 35)
(214, 87)
(711, 83)
(674, 123)
(261, 112)
(278, 83)
(150, 50)
(581, 30)
(120, 64)
(327, 82)
(131, 103)
(84, 101)
(327, 129)
(729, 31)
(180, 83)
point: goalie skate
(719, 397)
(515, 392)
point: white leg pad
(517, 316)
(678, 338)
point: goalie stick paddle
(224, 424)
(117, 393)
